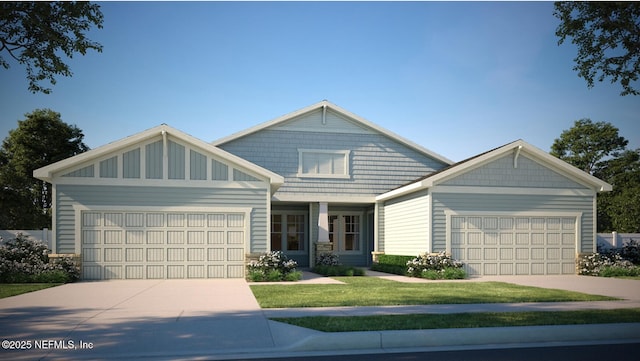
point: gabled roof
(46, 173)
(353, 117)
(476, 161)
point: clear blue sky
(456, 78)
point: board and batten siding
(161, 197)
(406, 225)
(514, 203)
(377, 163)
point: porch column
(323, 223)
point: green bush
(23, 260)
(612, 271)
(272, 267)
(392, 264)
(435, 266)
(338, 270)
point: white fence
(615, 239)
(44, 235)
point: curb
(373, 340)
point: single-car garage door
(157, 245)
(519, 245)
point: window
(344, 232)
(323, 163)
(288, 232)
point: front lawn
(373, 291)
(14, 289)
(462, 320)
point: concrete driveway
(178, 319)
(128, 318)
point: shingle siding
(378, 164)
(501, 172)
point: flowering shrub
(604, 264)
(327, 259)
(26, 260)
(273, 266)
(435, 266)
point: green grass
(463, 320)
(14, 289)
(372, 291)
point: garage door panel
(175, 271)
(519, 245)
(113, 272)
(155, 272)
(133, 272)
(159, 245)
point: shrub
(338, 270)
(435, 266)
(327, 259)
(273, 266)
(595, 264)
(23, 260)
(631, 252)
(392, 264)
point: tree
(587, 143)
(608, 38)
(41, 139)
(598, 149)
(619, 210)
(36, 33)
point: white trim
(513, 190)
(340, 241)
(54, 219)
(316, 198)
(49, 172)
(346, 171)
(357, 119)
(135, 182)
(79, 208)
(547, 160)
(577, 216)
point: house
(163, 204)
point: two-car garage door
(163, 244)
(514, 245)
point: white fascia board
(46, 173)
(341, 111)
(314, 198)
(569, 170)
(409, 188)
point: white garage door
(157, 245)
(504, 245)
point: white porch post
(323, 223)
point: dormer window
(317, 163)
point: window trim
(283, 239)
(338, 242)
(347, 167)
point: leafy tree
(598, 149)
(587, 143)
(35, 34)
(607, 35)
(619, 210)
(41, 139)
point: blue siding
(378, 163)
(122, 196)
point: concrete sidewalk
(220, 319)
